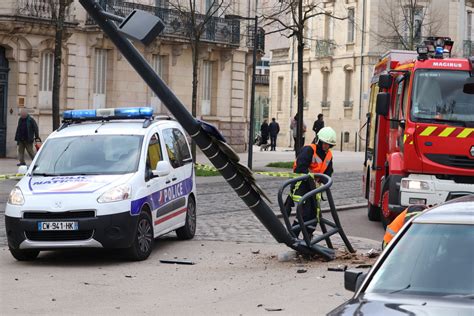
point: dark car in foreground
(428, 269)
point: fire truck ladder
(213, 145)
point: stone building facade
(339, 58)
(96, 75)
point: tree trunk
(195, 56)
(299, 134)
(57, 62)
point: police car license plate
(42, 226)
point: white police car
(111, 178)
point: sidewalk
(346, 161)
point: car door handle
(168, 181)
(174, 178)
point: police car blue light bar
(108, 114)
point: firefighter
(400, 220)
(314, 158)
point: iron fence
(178, 24)
(262, 79)
(43, 9)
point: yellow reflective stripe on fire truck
(428, 131)
(447, 131)
(465, 133)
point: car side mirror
(469, 86)
(353, 279)
(22, 170)
(385, 81)
(163, 168)
(383, 103)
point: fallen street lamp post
(143, 27)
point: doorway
(3, 101)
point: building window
(348, 88)
(324, 101)
(100, 73)
(469, 26)
(157, 65)
(46, 71)
(100, 77)
(346, 137)
(327, 26)
(350, 25)
(280, 94)
(207, 87)
(418, 15)
(305, 90)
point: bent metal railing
(217, 30)
(212, 144)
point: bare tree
(58, 15)
(290, 19)
(407, 22)
(197, 24)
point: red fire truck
(420, 130)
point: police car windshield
(438, 97)
(431, 260)
(86, 155)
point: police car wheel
(24, 255)
(143, 242)
(189, 228)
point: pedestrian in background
(264, 132)
(26, 133)
(274, 129)
(318, 124)
(294, 132)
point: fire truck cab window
(438, 95)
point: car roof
(115, 127)
(457, 211)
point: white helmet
(327, 135)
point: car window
(184, 154)
(171, 147)
(430, 259)
(91, 154)
(154, 152)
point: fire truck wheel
(373, 213)
(385, 212)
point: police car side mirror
(163, 168)
(353, 279)
(469, 86)
(383, 103)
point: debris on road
(372, 253)
(301, 271)
(183, 262)
(287, 256)
(256, 252)
(364, 266)
(269, 309)
(339, 268)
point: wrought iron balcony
(348, 104)
(260, 38)
(218, 30)
(468, 48)
(324, 48)
(262, 79)
(325, 104)
(42, 9)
